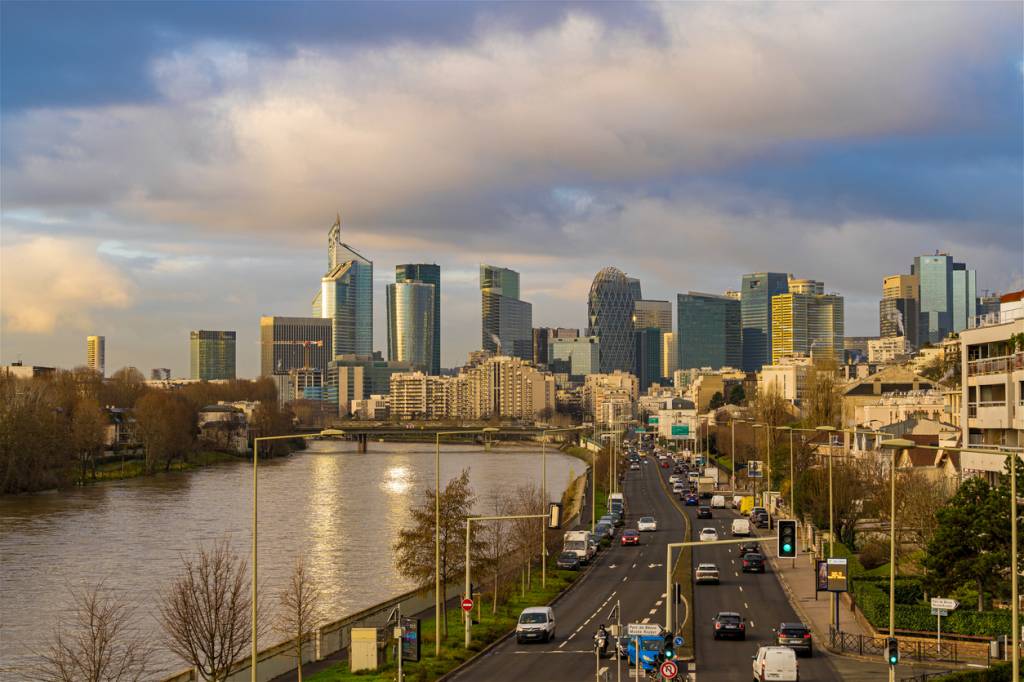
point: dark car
(748, 548)
(796, 636)
(753, 563)
(691, 500)
(729, 624)
(604, 531)
(760, 519)
(703, 512)
(569, 561)
(630, 536)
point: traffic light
(787, 538)
(668, 652)
(892, 650)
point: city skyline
(168, 239)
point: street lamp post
(437, 530)
(732, 425)
(255, 515)
(544, 500)
(831, 520)
(895, 445)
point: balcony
(998, 365)
(994, 318)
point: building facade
(212, 354)
(669, 354)
(506, 321)
(610, 306)
(899, 317)
(787, 377)
(357, 377)
(426, 273)
(96, 354)
(808, 324)
(805, 286)
(577, 357)
(288, 343)
(888, 349)
(708, 331)
(756, 295)
(411, 324)
(648, 313)
(947, 296)
(610, 395)
(647, 355)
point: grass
(453, 653)
(133, 468)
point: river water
(339, 508)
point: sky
(176, 166)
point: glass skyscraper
(647, 354)
(708, 331)
(808, 324)
(346, 297)
(426, 273)
(652, 314)
(288, 343)
(756, 316)
(411, 324)
(610, 307)
(506, 321)
(580, 356)
(212, 354)
(948, 296)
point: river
(339, 508)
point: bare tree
(100, 643)
(206, 611)
(823, 404)
(494, 536)
(88, 424)
(301, 609)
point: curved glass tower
(610, 313)
(425, 273)
(411, 324)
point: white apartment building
(887, 349)
(898, 406)
(621, 388)
(788, 377)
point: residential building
(669, 354)
(756, 295)
(708, 331)
(647, 355)
(888, 349)
(988, 303)
(869, 390)
(411, 324)
(809, 324)
(224, 426)
(288, 343)
(21, 371)
(787, 377)
(649, 313)
(610, 307)
(212, 354)
(992, 377)
(927, 357)
(898, 406)
(376, 407)
(576, 357)
(506, 321)
(426, 273)
(416, 395)
(356, 377)
(703, 387)
(96, 354)
(610, 395)
(947, 296)
(678, 422)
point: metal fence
(924, 677)
(910, 649)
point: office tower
(756, 316)
(541, 346)
(899, 317)
(708, 331)
(212, 355)
(426, 273)
(652, 314)
(610, 313)
(411, 324)
(805, 286)
(808, 324)
(965, 296)
(669, 354)
(506, 321)
(900, 286)
(947, 296)
(346, 297)
(647, 356)
(160, 374)
(288, 343)
(579, 356)
(96, 354)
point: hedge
(872, 598)
(1000, 672)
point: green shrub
(1000, 672)
(874, 554)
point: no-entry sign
(669, 670)
(467, 604)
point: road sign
(669, 670)
(643, 630)
(754, 468)
(944, 604)
(679, 641)
(678, 431)
(940, 612)
(467, 604)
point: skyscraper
(708, 331)
(756, 316)
(288, 343)
(648, 313)
(965, 296)
(96, 354)
(577, 356)
(669, 354)
(947, 296)
(610, 308)
(506, 321)
(411, 324)
(426, 273)
(647, 356)
(808, 324)
(212, 354)
(346, 297)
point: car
(664, 464)
(796, 636)
(706, 573)
(691, 500)
(753, 563)
(607, 518)
(754, 511)
(718, 501)
(630, 537)
(740, 527)
(604, 530)
(679, 487)
(703, 512)
(761, 520)
(634, 466)
(775, 663)
(569, 561)
(729, 624)
(749, 548)
(674, 478)
(536, 624)
(647, 523)
(708, 534)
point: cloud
(52, 284)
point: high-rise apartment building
(647, 313)
(506, 321)
(708, 331)
(947, 296)
(96, 354)
(426, 273)
(610, 307)
(212, 354)
(411, 324)
(669, 354)
(756, 316)
(288, 343)
(808, 324)
(647, 355)
(357, 377)
(346, 297)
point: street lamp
(544, 499)
(255, 509)
(437, 530)
(768, 451)
(898, 445)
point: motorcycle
(601, 642)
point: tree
(35, 448)
(494, 538)
(100, 643)
(922, 501)
(301, 612)
(415, 545)
(823, 404)
(269, 419)
(736, 395)
(167, 428)
(206, 611)
(717, 401)
(125, 387)
(88, 426)
(851, 480)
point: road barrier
(922, 650)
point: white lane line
(741, 588)
(746, 605)
(564, 643)
(625, 578)
(653, 611)
(646, 620)
(751, 623)
(736, 574)
(658, 603)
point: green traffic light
(787, 547)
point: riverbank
(135, 466)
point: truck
(578, 542)
(706, 485)
(617, 500)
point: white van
(578, 542)
(718, 501)
(776, 663)
(740, 527)
(537, 624)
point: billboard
(410, 639)
(837, 575)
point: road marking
(736, 574)
(612, 566)
(564, 643)
(625, 578)
(751, 623)
(634, 565)
(646, 620)
(741, 588)
(746, 605)
(658, 603)
(652, 611)
(655, 565)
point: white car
(708, 534)
(707, 573)
(646, 523)
(776, 663)
(536, 623)
(674, 478)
